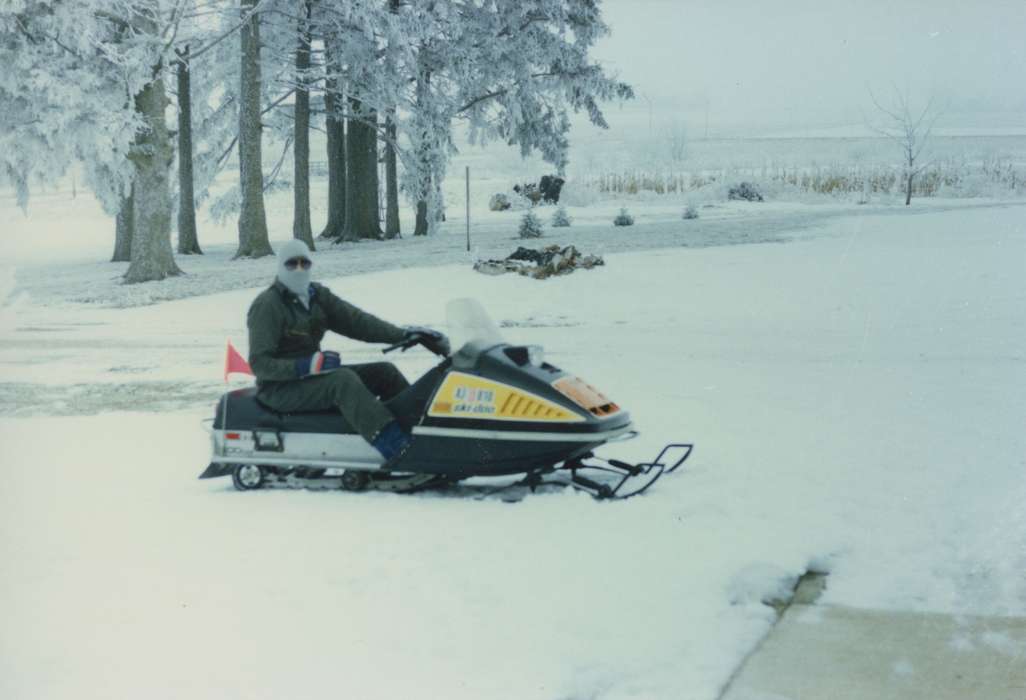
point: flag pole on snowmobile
(233, 363)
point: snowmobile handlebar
(432, 340)
(404, 344)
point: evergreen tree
(560, 218)
(530, 226)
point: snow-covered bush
(746, 191)
(560, 218)
(690, 212)
(623, 218)
(499, 202)
(518, 202)
(530, 226)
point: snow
(854, 389)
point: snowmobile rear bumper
(216, 469)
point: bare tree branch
(256, 8)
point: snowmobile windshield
(470, 326)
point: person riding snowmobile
(286, 324)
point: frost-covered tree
(216, 28)
(530, 226)
(908, 128)
(253, 240)
(511, 69)
(392, 229)
(123, 230)
(301, 227)
(188, 239)
(335, 132)
(352, 39)
(84, 81)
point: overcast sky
(809, 62)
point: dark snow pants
(356, 390)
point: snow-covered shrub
(530, 226)
(560, 218)
(746, 191)
(518, 202)
(499, 202)
(579, 194)
(690, 212)
(623, 218)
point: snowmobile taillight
(585, 396)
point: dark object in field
(545, 190)
(623, 218)
(746, 191)
(539, 264)
(550, 187)
(529, 191)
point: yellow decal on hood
(468, 396)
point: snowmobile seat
(246, 412)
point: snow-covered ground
(854, 388)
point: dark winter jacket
(282, 330)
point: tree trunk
(362, 220)
(391, 183)
(436, 184)
(908, 190)
(301, 146)
(152, 152)
(421, 227)
(253, 241)
(123, 231)
(391, 169)
(336, 132)
(188, 241)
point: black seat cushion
(241, 410)
(245, 412)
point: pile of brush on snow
(540, 264)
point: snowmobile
(491, 409)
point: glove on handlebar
(318, 362)
(431, 339)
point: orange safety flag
(234, 362)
